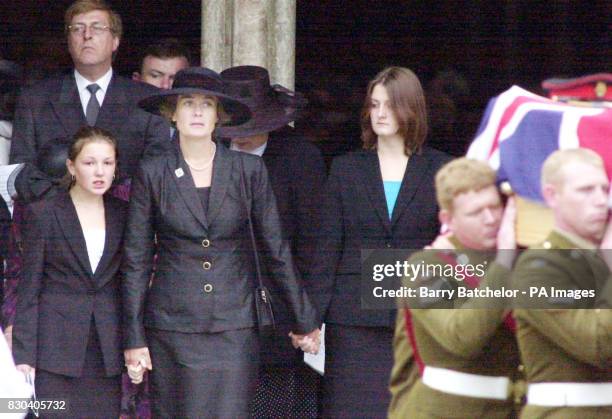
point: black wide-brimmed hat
(272, 107)
(10, 75)
(199, 80)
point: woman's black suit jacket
(355, 217)
(205, 273)
(58, 294)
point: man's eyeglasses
(95, 29)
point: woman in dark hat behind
(286, 387)
(197, 318)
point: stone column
(216, 44)
(282, 51)
(250, 32)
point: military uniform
(404, 373)
(468, 357)
(566, 349)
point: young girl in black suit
(67, 325)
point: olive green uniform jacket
(561, 344)
(471, 339)
(405, 371)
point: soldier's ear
(549, 193)
(445, 217)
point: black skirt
(201, 375)
(358, 362)
(92, 395)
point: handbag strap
(247, 204)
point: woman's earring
(73, 179)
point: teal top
(392, 188)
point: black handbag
(263, 302)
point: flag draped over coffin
(520, 129)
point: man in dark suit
(90, 94)
(286, 387)
(161, 61)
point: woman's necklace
(207, 164)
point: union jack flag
(520, 129)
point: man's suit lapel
(369, 168)
(68, 220)
(222, 174)
(179, 172)
(116, 108)
(67, 107)
(417, 167)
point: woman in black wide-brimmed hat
(286, 387)
(197, 318)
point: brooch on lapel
(179, 172)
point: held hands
(308, 343)
(137, 362)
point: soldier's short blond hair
(460, 176)
(551, 169)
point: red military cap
(594, 87)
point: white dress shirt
(257, 151)
(94, 240)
